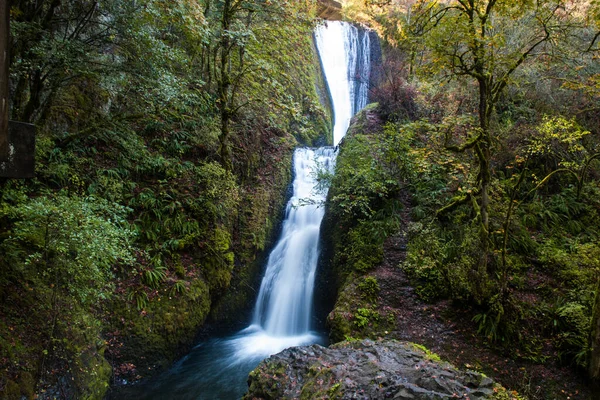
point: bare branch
(469, 144)
(593, 42)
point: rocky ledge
(367, 370)
(330, 10)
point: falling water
(346, 59)
(217, 369)
(284, 303)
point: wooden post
(17, 139)
(4, 60)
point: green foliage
(219, 196)
(178, 287)
(369, 289)
(360, 186)
(362, 250)
(365, 317)
(124, 97)
(502, 170)
(154, 276)
(573, 325)
(421, 263)
(499, 322)
(70, 242)
(140, 296)
(576, 264)
(440, 263)
(559, 138)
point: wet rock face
(330, 10)
(366, 370)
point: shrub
(70, 243)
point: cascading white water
(362, 74)
(346, 61)
(217, 369)
(284, 301)
(282, 314)
(283, 309)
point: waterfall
(284, 301)
(346, 59)
(284, 304)
(217, 368)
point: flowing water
(346, 59)
(218, 368)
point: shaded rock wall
(329, 9)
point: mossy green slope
(135, 146)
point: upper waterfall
(345, 53)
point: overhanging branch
(469, 144)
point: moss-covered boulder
(367, 370)
(150, 338)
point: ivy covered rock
(367, 370)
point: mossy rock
(367, 369)
(264, 389)
(258, 225)
(156, 335)
(93, 376)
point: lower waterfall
(218, 368)
(284, 303)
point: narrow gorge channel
(283, 317)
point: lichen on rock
(366, 369)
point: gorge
(210, 189)
(282, 318)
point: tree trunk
(484, 153)
(36, 86)
(4, 60)
(483, 156)
(594, 356)
(225, 150)
(225, 98)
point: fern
(178, 287)
(153, 277)
(140, 297)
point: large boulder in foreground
(366, 370)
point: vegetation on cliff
(482, 158)
(156, 121)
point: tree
(236, 18)
(4, 42)
(475, 39)
(54, 44)
(66, 246)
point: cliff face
(367, 370)
(330, 10)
